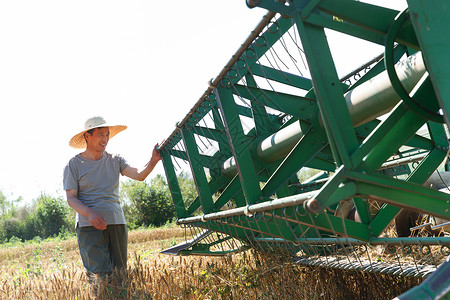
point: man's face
(99, 139)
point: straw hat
(78, 141)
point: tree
(159, 183)
(146, 205)
(47, 216)
(3, 204)
(10, 228)
(187, 187)
(8, 207)
(186, 183)
(51, 214)
(11, 224)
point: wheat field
(53, 270)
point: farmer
(91, 182)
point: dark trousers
(103, 251)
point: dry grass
(54, 271)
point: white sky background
(139, 63)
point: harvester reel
(289, 157)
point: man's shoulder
(73, 163)
(74, 159)
(108, 154)
(117, 159)
(112, 155)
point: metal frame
(254, 172)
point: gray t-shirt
(97, 185)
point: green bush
(31, 227)
(46, 217)
(11, 228)
(146, 205)
(187, 187)
(51, 214)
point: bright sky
(139, 63)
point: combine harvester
(374, 142)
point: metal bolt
(313, 205)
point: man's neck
(92, 155)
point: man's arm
(95, 218)
(133, 173)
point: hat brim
(78, 141)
